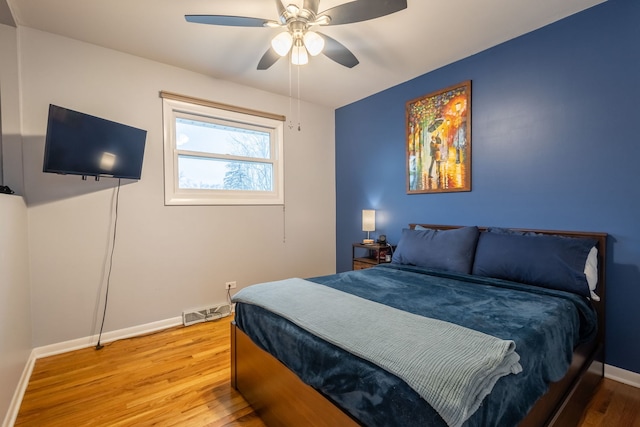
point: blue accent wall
(555, 145)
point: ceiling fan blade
(361, 10)
(228, 21)
(281, 10)
(268, 59)
(337, 52)
(311, 5)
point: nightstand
(365, 256)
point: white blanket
(453, 368)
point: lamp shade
(313, 42)
(282, 43)
(299, 55)
(368, 220)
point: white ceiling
(393, 49)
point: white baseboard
(66, 346)
(77, 344)
(622, 376)
(16, 401)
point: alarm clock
(382, 239)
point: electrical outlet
(230, 285)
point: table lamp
(368, 224)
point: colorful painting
(439, 141)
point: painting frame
(438, 141)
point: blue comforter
(545, 325)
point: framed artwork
(439, 141)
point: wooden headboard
(602, 257)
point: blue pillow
(554, 262)
(450, 250)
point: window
(221, 156)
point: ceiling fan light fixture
(322, 20)
(293, 9)
(313, 42)
(299, 55)
(282, 43)
(297, 17)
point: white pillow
(591, 271)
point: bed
(293, 374)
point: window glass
(214, 156)
(214, 138)
(208, 173)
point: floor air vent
(205, 314)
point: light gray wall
(15, 305)
(15, 316)
(167, 259)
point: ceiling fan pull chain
(290, 99)
(298, 99)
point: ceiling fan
(300, 37)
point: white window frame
(174, 195)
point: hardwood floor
(180, 377)
(614, 405)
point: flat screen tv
(81, 144)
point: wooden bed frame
(281, 399)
